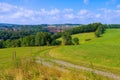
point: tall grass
(9, 54)
(29, 70)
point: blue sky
(59, 11)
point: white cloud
(54, 11)
(68, 10)
(83, 12)
(69, 16)
(86, 1)
(5, 7)
(111, 2)
(118, 6)
(15, 14)
(110, 16)
(98, 16)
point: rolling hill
(98, 53)
(103, 52)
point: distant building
(53, 29)
(56, 29)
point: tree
(99, 31)
(38, 39)
(16, 43)
(8, 43)
(31, 39)
(84, 28)
(75, 41)
(25, 41)
(55, 42)
(56, 35)
(28, 41)
(48, 38)
(67, 39)
(43, 38)
(1, 44)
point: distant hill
(53, 28)
(5, 24)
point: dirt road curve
(107, 74)
(69, 65)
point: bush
(1, 44)
(99, 31)
(87, 39)
(75, 41)
(56, 42)
(67, 39)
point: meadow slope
(26, 67)
(102, 53)
(7, 55)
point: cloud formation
(118, 6)
(111, 2)
(15, 14)
(86, 1)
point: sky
(59, 11)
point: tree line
(81, 29)
(111, 26)
(46, 38)
(18, 32)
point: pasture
(103, 52)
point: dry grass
(29, 70)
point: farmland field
(82, 37)
(7, 54)
(103, 52)
(28, 70)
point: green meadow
(103, 52)
(8, 55)
(83, 37)
(33, 71)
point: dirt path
(103, 73)
(69, 65)
(48, 64)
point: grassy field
(29, 70)
(103, 52)
(8, 54)
(82, 37)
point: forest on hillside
(39, 36)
